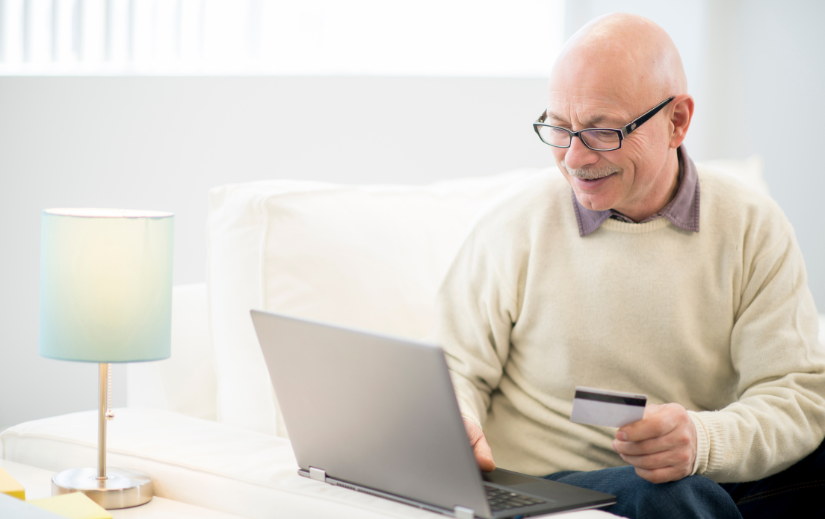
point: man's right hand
(481, 449)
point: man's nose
(578, 155)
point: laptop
(378, 415)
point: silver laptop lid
(373, 410)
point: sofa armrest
(205, 463)
(186, 382)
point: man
(635, 282)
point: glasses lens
(554, 136)
(601, 139)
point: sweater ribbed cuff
(702, 444)
(471, 418)
(466, 409)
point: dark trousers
(794, 492)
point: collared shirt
(682, 211)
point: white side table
(37, 483)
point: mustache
(591, 173)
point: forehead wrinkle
(585, 111)
(588, 122)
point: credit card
(607, 408)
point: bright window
(517, 38)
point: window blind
(519, 38)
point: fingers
(659, 420)
(678, 438)
(662, 475)
(481, 449)
(661, 446)
(670, 458)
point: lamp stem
(101, 429)
(120, 488)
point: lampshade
(105, 285)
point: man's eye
(602, 136)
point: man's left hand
(661, 446)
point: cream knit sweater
(720, 321)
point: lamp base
(122, 488)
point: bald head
(622, 55)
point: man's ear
(680, 119)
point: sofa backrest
(369, 257)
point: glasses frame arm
(631, 126)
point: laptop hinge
(318, 474)
(463, 512)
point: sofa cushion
(370, 257)
(748, 171)
(185, 382)
(201, 462)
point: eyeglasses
(597, 139)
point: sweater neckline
(635, 228)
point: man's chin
(595, 201)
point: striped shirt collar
(682, 211)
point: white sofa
(205, 423)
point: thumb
(484, 455)
(481, 449)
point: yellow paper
(73, 506)
(9, 486)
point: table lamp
(105, 296)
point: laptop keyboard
(501, 499)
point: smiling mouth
(596, 179)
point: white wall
(161, 143)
